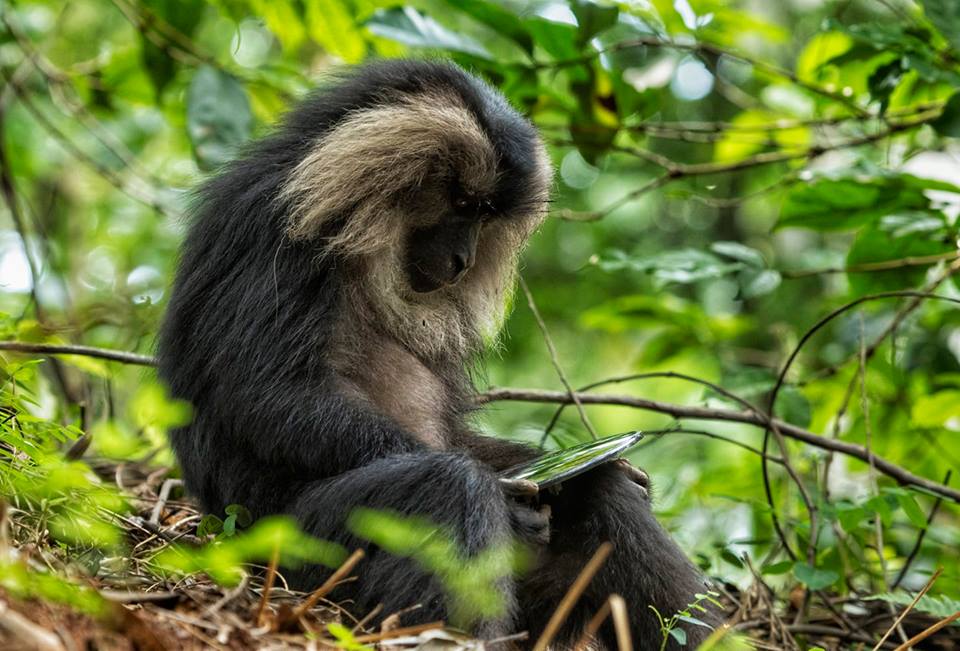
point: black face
(441, 254)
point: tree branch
(85, 351)
(888, 468)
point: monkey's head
(425, 193)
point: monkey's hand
(531, 522)
(634, 474)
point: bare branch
(85, 351)
(888, 468)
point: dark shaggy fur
(264, 335)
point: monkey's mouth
(423, 282)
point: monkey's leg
(449, 489)
(646, 567)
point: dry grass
(146, 611)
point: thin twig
(919, 637)
(398, 632)
(268, 585)
(328, 585)
(573, 594)
(555, 359)
(85, 351)
(896, 624)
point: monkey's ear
(358, 172)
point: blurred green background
(727, 174)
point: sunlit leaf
(283, 19)
(331, 24)
(937, 409)
(409, 26)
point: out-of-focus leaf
(945, 15)
(738, 251)
(755, 282)
(331, 24)
(883, 81)
(937, 409)
(737, 143)
(777, 568)
(219, 118)
(407, 25)
(283, 19)
(910, 507)
(948, 122)
(152, 407)
(683, 266)
(874, 245)
(236, 10)
(844, 202)
(498, 18)
(818, 51)
(812, 577)
(558, 39)
(792, 406)
(180, 15)
(592, 18)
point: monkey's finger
(634, 474)
(519, 487)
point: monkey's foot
(634, 474)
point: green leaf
(874, 245)
(219, 118)
(883, 81)
(793, 407)
(851, 516)
(283, 19)
(592, 18)
(679, 635)
(845, 202)
(409, 26)
(818, 52)
(181, 15)
(912, 509)
(331, 24)
(948, 122)
(730, 557)
(558, 39)
(777, 568)
(498, 18)
(945, 15)
(814, 578)
(209, 524)
(244, 518)
(936, 410)
(741, 252)
(755, 283)
(684, 266)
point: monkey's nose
(460, 264)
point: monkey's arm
(498, 454)
(315, 432)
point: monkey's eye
(462, 202)
(488, 211)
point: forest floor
(150, 613)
